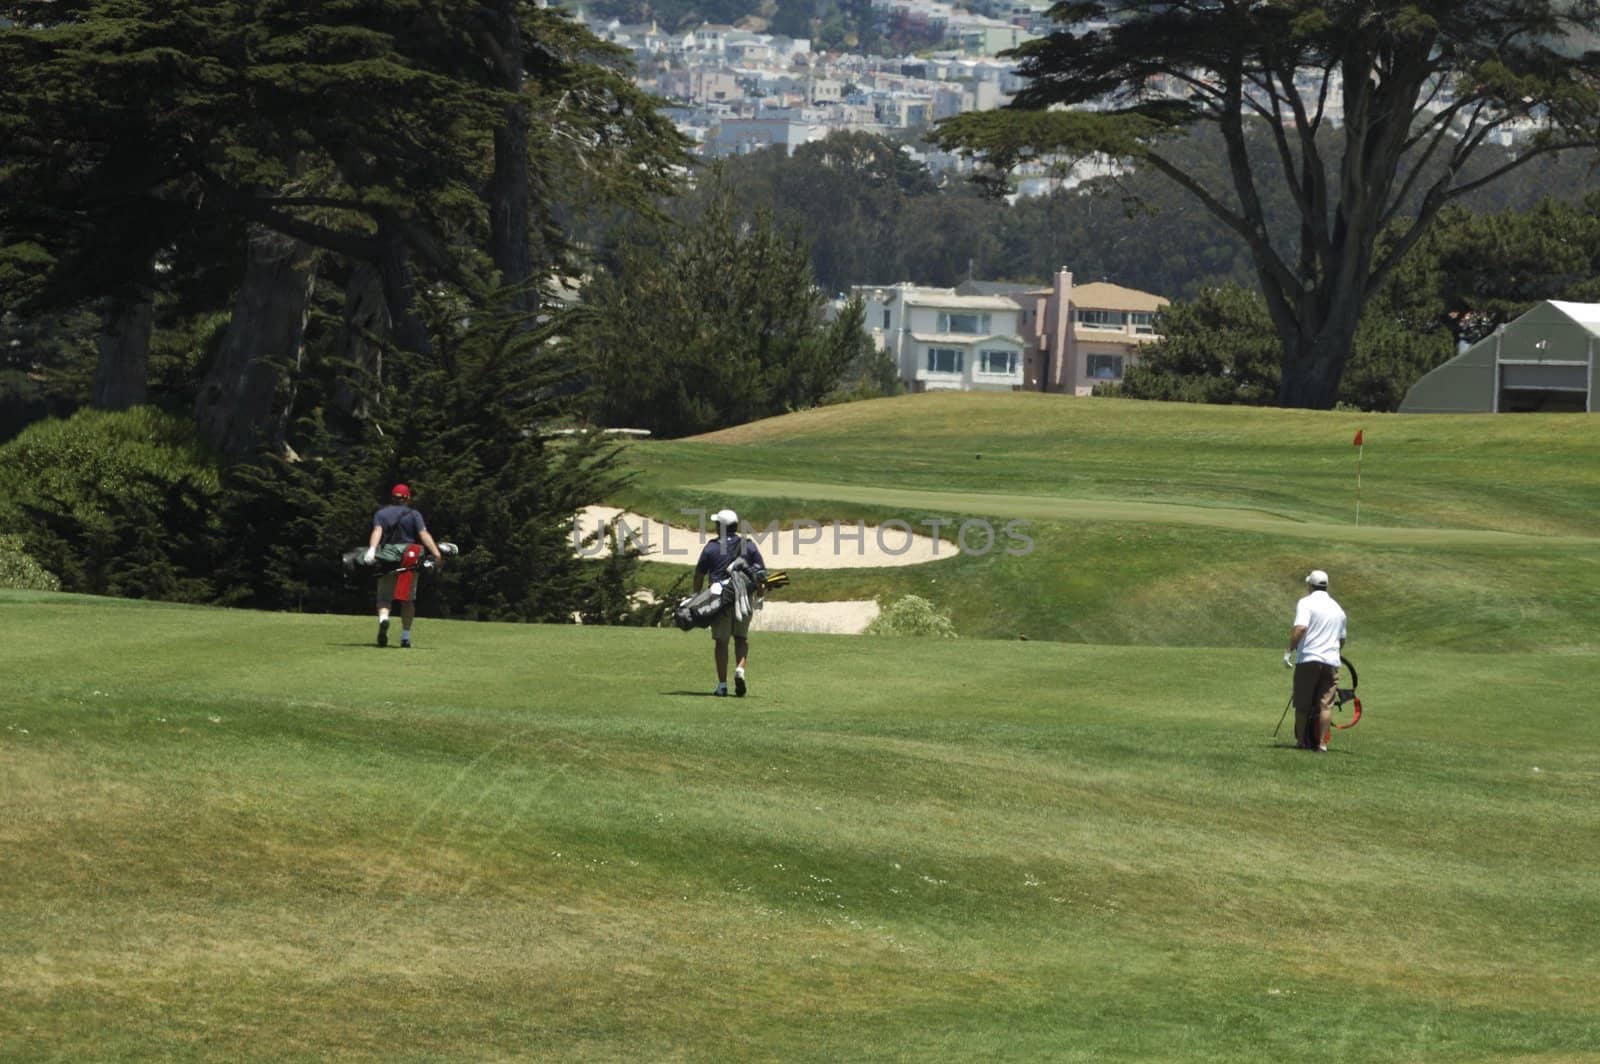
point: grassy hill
(1165, 524)
(228, 835)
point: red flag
(1357, 441)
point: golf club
(1284, 714)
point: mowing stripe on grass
(1057, 508)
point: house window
(1101, 319)
(1105, 367)
(885, 317)
(944, 360)
(1143, 322)
(966, 324)
(998, 362)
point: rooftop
(1103, 295)
(945, 297)
(1586, 314)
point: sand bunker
(813, 546)
(850, 617)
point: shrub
(114, 503)
(18, 572)
(611, 592)
(912, 615)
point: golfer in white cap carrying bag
(1314, 644)
(715, 557)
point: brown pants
(1315, 688)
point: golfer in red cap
(398, 525)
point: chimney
(1063, 351)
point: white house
(709, 39)
(826, 90)
(942, 341)
(749, 48)
(741, 136)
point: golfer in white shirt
(1314, 645)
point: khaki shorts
(389, 590)
(723, 625)
(1315, 684)
(399, 586)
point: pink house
(1082, 335)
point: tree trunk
(1317, 321)
(121, 375)
(508, 209)
(508, 192)
(1314, 362)
(1310, 378)
(365, 315)
(400, 290)
(244, 401)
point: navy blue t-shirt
(400, 524)
(718, 554)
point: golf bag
(738, 593)
(393, 558)
(700, 609)
(1342, 696)
(1346, 696)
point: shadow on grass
(1292, 746)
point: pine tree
(354, 132)
(714, 323)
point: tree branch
(1521, 160)
(420, 240)
(1255, 238)
(259, 209)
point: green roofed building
(1541, 362)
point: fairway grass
(1070, 835)
(229, 835)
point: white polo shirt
(1324, 623)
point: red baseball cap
(400, 491)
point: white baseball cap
(726, 518)
(1317, 578)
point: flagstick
(1360, 451)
